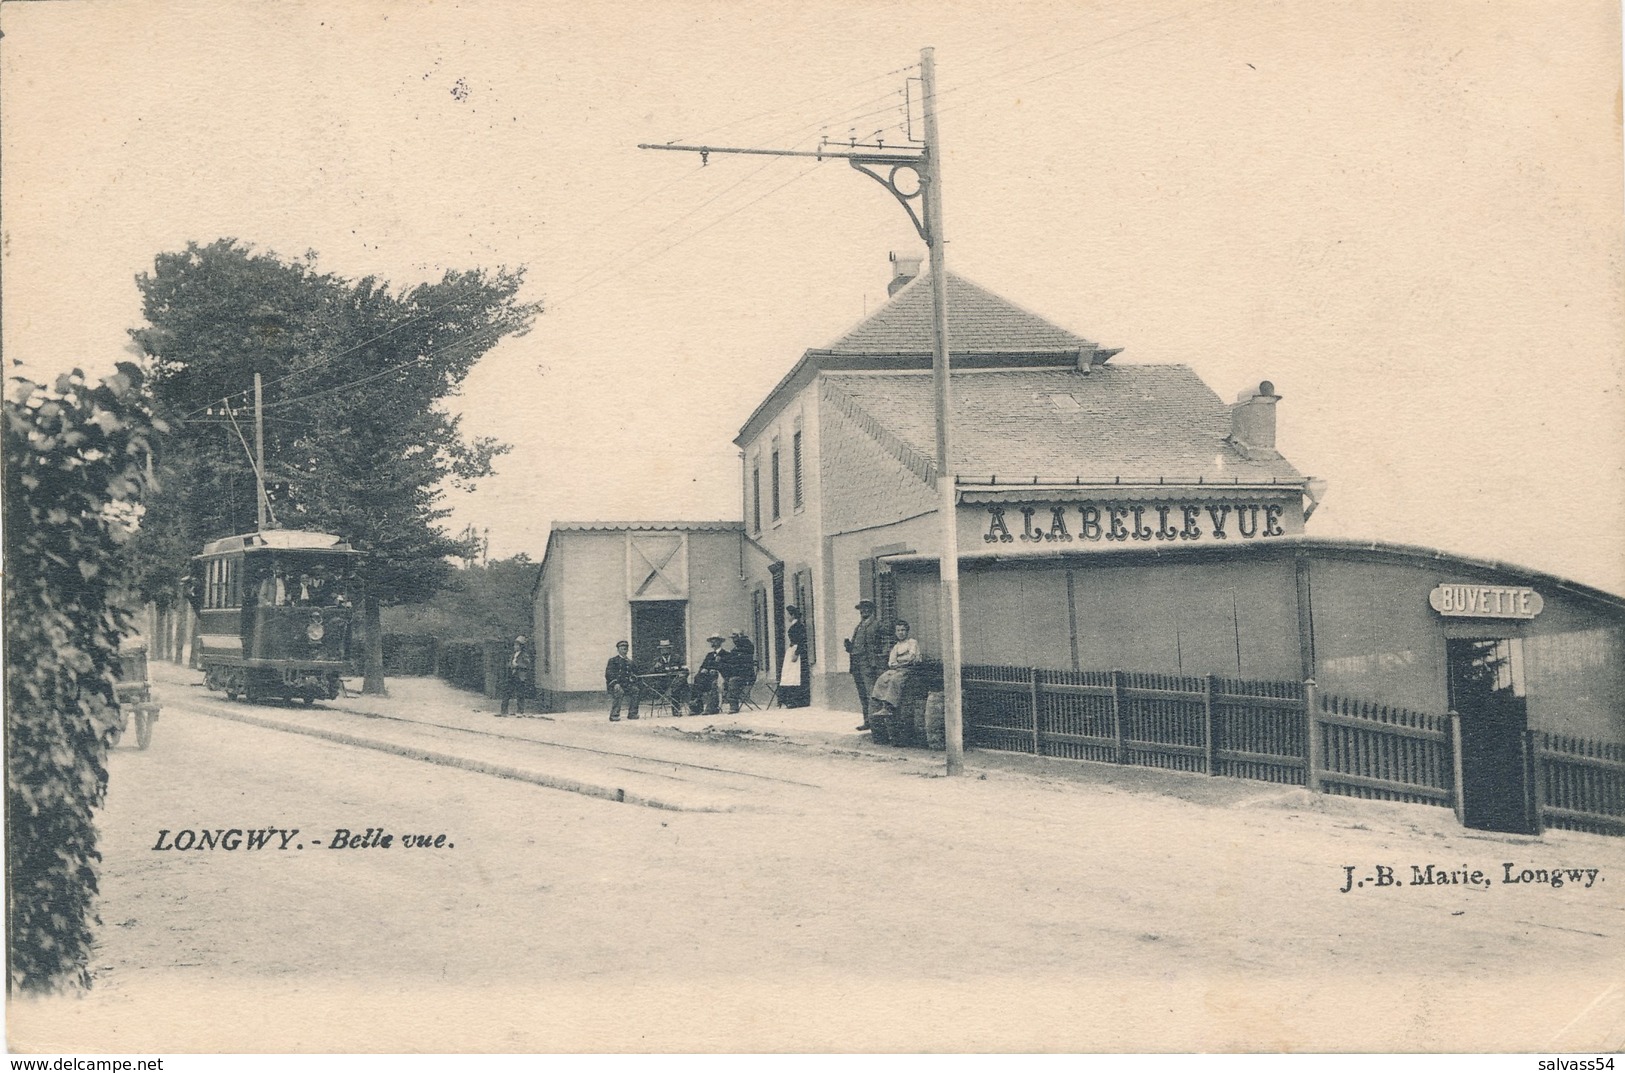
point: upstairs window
(795, 468)
(776, 484)
(756, 498)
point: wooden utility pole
(948, 506)
(882, 164)
(262, 503)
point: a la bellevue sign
(1036, 523)
(1485, 601)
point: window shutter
(795, 464)
(806, 606)
(756, 498)
(775, 480)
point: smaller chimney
(1252, 422)
(904, 268)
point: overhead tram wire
(571, 290)
(1008, 72)
(1000, 81)
(329, 358)
(695, 233)
(575, 290)
(1073, 67)
(419, 359)
(668, 185)
(796, 103)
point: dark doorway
(1487, 691)
(654, 621)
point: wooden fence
(1578, 784)
(1274, 731)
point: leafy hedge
(77, 459)
(462, 663)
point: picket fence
(1274, 731)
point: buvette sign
(1485, 601)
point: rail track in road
(653, 778)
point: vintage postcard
(580, 610)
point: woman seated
(905, 653)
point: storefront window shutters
(804, 600)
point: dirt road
(851, 899)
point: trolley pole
(883, 163)
(262, 503)
(948, 507)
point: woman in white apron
(793, 689)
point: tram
(275, 610)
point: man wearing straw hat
(706, 696)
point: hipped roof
(1123, 422)
(979, 322)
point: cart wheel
(310, 700)
(231, 695)
(143, 730)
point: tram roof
(277, 540)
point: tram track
(652, 781)
(576, 748)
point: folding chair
(749, 699)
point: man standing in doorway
(866, 658)
(621, 682)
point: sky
(1407, 217)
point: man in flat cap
(865, 655)
(621, 682)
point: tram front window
(274, 588)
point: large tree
(357, 439)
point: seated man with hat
(738, 670)
(706, 696)
(674, 684)
(621, 683)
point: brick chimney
(1252, 422)
(904, 268)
